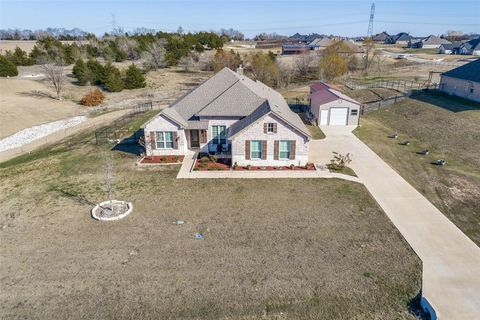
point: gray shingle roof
(173, 115)
(469, 72)
(435, 40)
(473, 44)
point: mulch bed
(308, 167)
(218, 165)
(162, 159)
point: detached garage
(331, 107)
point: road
(451, 261)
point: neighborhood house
(331, 107)
(463, 81)
(232, 116)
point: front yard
(292, 248)
(449, 128)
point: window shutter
(264, 149)
(276, 149)
(175, 140)
(292, 149)
(265, 127)
(247, 149)
(152, 140)
(274, 128)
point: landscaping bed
(212, 164)
(308, 167)
(161, 160)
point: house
(381, 37)
(471, 47)
(320, 43)
(231, 115)
(430, 42)
(401, 38)
(449, 48)
(295, 48)
(463, 81)
(331, 107)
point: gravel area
(36, 132)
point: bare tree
(303, 63)
(54, 72)
(108, 177)
(189, 61)
(154, 55)
(286, 73)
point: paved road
(451, 261)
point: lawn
(270, 247)
(450, 128)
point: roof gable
(469, 72)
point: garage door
(338, 116)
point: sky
(346, 18)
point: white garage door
(338, 116)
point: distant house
(449, 48)
(401, 38)
(331, 107)
(295, 48)
(430, 42)
(234, 117)
(463, 81)
(471, 47)
(318, 44)
(321, 43)
(381, 37)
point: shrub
(18, 57)
(339, 161)
(93, 98)
(213, 158)
(134, 78)
(95, 71)
(81, 72)
(111, 78)
(204, 159)
(7, 68)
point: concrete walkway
(451, 261)
(189, 160)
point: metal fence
(117, 129)
(398, 85)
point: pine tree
(134, 78)
(7, 68)
(112, 79)
(81, 72)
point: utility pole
(370, 24)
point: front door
(194, 139)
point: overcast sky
(349, 18)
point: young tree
(95, 71)
(7, 68)
(333, 65)
(286, 73)
(134, 78)
(263, 67)
(81, 72)
(54, 72)
(304, 63)
(189, 61)
(223, 59)
(112, 78)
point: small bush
(213, 158)
(7, 68)
(93, 98)
(339, 161)
(204, 159)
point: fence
(375, 105)
(117, 129)
(398, 85)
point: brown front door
(194, 139)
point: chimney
(240, 70)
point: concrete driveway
(451, 261)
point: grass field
(450, 128)
(271, 248)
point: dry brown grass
(450, 129)
(270, 248)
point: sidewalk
(189, 160)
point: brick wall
(460, 88)
(160, 123)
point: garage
(338, 116)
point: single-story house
(295, 48)
(401, 38)
(320, 43)
(381, 37)
(430, 42)
(471, 47)
(331, 107)
(463, 81)
(231, 115)
(449, 48)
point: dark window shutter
(292, 149)
(276, 150)
(175, 140)
(264, 149)
(247, 150)
(265, 127)
(274, 128)
(152, 140)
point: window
(164, 139)
(284, 147)
(354, 112)
(255, 149)
(270, 127)
(219, 134)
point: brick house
(232, 116)
(463, 81)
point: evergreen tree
(112, 79)
(18, 57)
(7, 68)
(95, 70)
(134, 78)
(81, 72)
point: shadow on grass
(37, 94)
(445, 101)
(131, 144)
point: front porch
(197, 141)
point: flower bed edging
(121, 216)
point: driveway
(451, 261)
